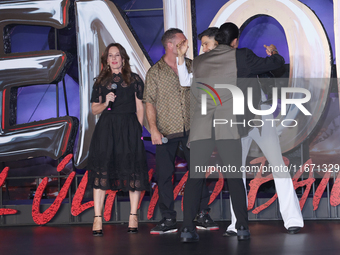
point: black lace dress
(117, 158)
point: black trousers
(165, 167)
(230, 152)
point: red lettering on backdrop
(151, 172)
(180, 185)
(3, 176)
(109, 203)
(43, 218)
(217, 189)
(335, 195)
(308, 182)
(153, 202)
(257, 182)
(155, 195)
(321, 188)
(254, 186)
(64, 162)
(77, 208)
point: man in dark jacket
(223, 65)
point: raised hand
(271, 49)
(182, 48)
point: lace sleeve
(95, 94)
(139, 87)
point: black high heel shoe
(133, 230)
(97, 232)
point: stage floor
(270, 237)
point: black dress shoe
(293, 230)
(229, 233)
(188, 236)
(243, 234)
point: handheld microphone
(113, 89)
(148, 138)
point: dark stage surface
(317, 237)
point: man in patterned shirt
(168, 114)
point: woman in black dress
(117, 158)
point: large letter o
(309, 54)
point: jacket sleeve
(258, 65)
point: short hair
(211, 32)
(170, 34)
(227, 33)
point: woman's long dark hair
(105, 76)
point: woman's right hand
(110, 97)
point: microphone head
(113, 86)
(164, 140)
